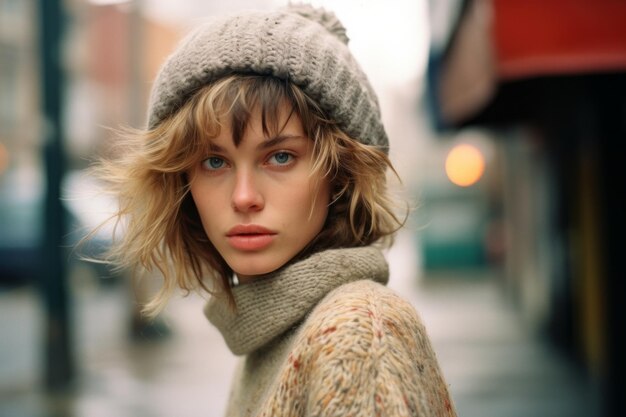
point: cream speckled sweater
(323, 337)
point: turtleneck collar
(274, 303)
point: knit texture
(304, 45)
(266, 308)
(359, 350)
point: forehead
(265, 120)
(260, 132)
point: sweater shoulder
(365, 307)
(364, 320)
(365, 348)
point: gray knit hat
(302, 44)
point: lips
(250, 237)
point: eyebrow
(277, 140)
(269, 143)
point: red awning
(499, 41)
(554, 37)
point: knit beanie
(299, 43)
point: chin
(256, 270)
(254, 264)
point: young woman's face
(258, 202)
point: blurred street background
(504, 118)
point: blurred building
(20, 125)
(548, 78)
(110, 54)
(114, 52)
(68, 71)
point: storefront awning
(499, 42)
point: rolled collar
(274, 303)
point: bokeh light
(4, 158)
(465, 165)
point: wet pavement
(493, 365)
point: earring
(233, 280)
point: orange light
(465, 165)
(4, 158)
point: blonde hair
(162, 228)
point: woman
(261, 179)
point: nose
(246, 195)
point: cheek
(317, 204)
(324, 192)
(207, 206)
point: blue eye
(281, 158)
(213, 163)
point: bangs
(232, 100)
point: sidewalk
(494, 368)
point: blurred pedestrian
(261, 179)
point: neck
(270, 305)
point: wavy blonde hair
(161, 225)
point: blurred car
(22, 228)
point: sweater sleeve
(371, 357)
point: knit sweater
(325, 337)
